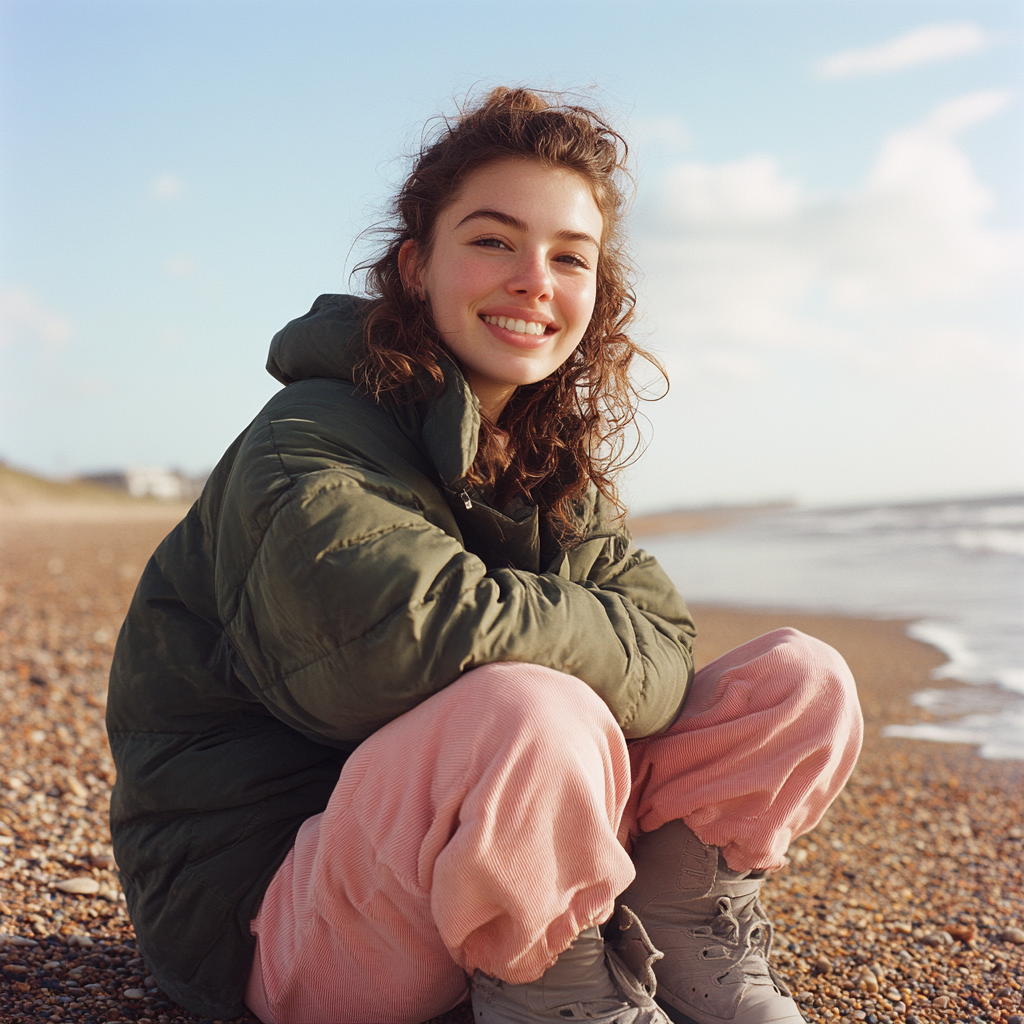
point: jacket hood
(328, 342)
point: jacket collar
(328, 341)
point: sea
(954, 569)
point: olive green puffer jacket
(330, 578)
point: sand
(926, 845)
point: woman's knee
(517, 692)
(811, 660)
(782, 667)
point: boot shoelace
(749, 934)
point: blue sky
(828, 220)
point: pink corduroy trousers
(491, 824)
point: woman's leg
(767, 738)
(478, 831)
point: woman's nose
(531, 277)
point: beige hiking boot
(590, 981)
(716, 938)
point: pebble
(822, 965)
(82, 886)
(56, 774)
(940, 1002)
(962, 932)
(75, 787)
(1014, 935)
(941, 938)
(868, 982)
(907, 868)
(134, 993)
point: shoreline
(926, 837)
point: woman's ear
(409, 268)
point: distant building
(151, 482)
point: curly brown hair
(556, 436)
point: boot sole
(674, 1015)
(678, 1017)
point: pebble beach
(905, 904)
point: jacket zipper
(466, 500)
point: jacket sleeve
(610, 560)
(356, 608)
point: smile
(517, 326)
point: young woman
(399, 712)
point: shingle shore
(901, 905)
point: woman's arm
(350, 601)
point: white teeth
(518, 326)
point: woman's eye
(574, 260)
(491, 243)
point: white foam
(996, 736)
(954, 567)
(1011, 678)
(1003, 542)
(962, 663)
(1003, 515)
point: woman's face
(512, 275)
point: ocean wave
(939, 518)
(1003, 542)
(996, 736)
(1003, 515)
(953, 569)
(964, 663)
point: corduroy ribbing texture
(488, 826)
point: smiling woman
(401, 715)
(544, 188)
(511, 275)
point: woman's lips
(513, 338)
(517, 324)
(518, 331)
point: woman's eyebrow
(520, 225)
(502, 218)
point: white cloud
(733, 366)
(22, 316)
(916, 230)
(942, 351)
(919, 46)
(900, 275)
(744, 191)
(165, 187)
